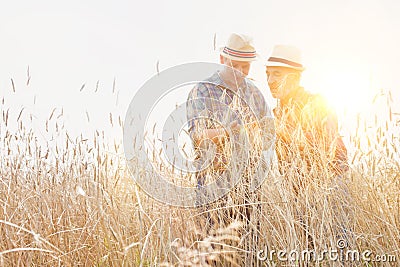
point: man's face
(241, 66)
(281, 81)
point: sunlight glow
(348, 92)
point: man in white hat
(210, 105)
(298, 109)
(307, 129)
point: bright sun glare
(349, 93)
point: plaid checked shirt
(211, 104)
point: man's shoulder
(319, 104)
(252, 87)
(318, 100)
(251, 84)
(203, 88)
(308, 98)
(257, 99)
(212, 81)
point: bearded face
(281, 81)
(276, 88)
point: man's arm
(198, 116)
(340, 154)
(215, 134)
(333, 140)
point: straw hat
(285, 56)
(240, 48)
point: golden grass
(76, 205)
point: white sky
(349, 47)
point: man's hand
(264, 124)
(235, 127)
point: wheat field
(74, 203)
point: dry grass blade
(51, 114)
(13, 85)
(146, 241)
(24, 249)
(20, 114)
(29, 77)
(97, 86)
(87, 116)
(215, 41)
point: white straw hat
(240, 48)
(285, 56)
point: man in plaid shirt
(225, 101)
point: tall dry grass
(74, 204)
